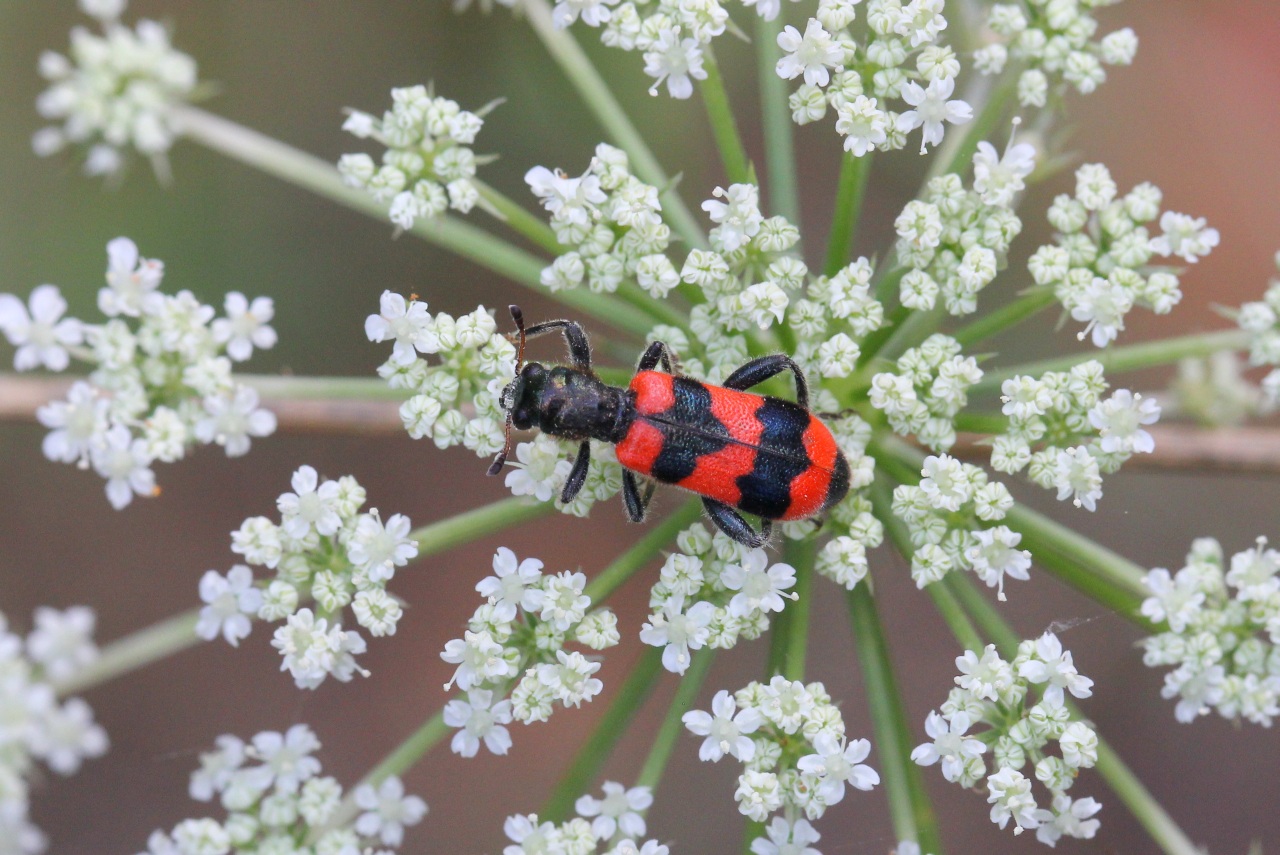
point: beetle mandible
(738, 450)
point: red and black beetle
(756, 453)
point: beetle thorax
(569, 403)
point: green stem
(991, 423)
(657, 536)
(467, 526)
(1144, 807)
(613, 118)
(1006, 317)
(400, 760)
(909, 807)
(672, 723)
(521, 221)
(408, 752)
(134, 651)
(660, 311)
(1131, 357)
(950, 610)
(284, 387)
(850, 189)
(916, 328)
(723, 125)
(1085, 565)
(779, 146)
(800, 554)
(320, 177)
(599, 745)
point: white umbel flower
(480, 720)
(230, 602)
(126, 465)
(387, 811)
(726, 729)
(674, 60)
(513, 585)
(812, 54)
(40, 335)
(932, 107)
(1120, 419)
(949, 745)
(759, 589)
(619, 812)
(246, 325)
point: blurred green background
(1197, 115)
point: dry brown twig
(1254, 450)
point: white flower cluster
(325, 551)
(608, 826)
(33, 725)
(749, 279)
(954, 241)
(1053, 37)
(157, 388)
(950, 517)
(1222, 628)
(1066, 435)
(790, 738)
(114, 91)
(855, 529)
(902, 59)
(428, 165)
(1262, 320)
(1019, 733)
(612, 223)
(454, 400)
(672, 35)
(1101, 267)
(711, 593)
(276, 798)
(514, 645)
(927, 391)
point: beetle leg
(658, 352)
(574, 337)
(759, 370)
(637, 503)
(731, 523)
(577, 475)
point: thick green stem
(656, 537)
(1005, 318)
(320, 177)
(613, 118)
(1144, 807)
(134, 651)
(613, 724)
(723, 125)
(909, 807)
(521, 221)
(467, 526)
(850, 189)
(779, 145)
(1131, 357)
(672, 723)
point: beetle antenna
(501, 459)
